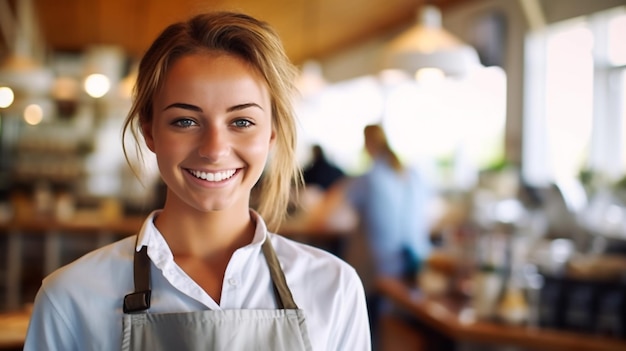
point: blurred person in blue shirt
(391, 201)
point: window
(575, 115)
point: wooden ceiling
(310, 29)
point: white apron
(237, 330)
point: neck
(205, 234)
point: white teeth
(213, 177)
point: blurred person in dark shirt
(320, 171)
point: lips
(213, 176)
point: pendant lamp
(20, 70)
(311, 80)
(426, 45)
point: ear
(273, 138)
(146, 130)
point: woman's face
(211, 131)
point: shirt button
(233, 281)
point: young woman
(213, 103)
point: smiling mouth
(213, 176)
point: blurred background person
(320, 171)
(319, 174)
(391, 201)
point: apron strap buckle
(137, 302)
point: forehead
(212, 62)
(215, 72)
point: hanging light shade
(311, 79)
(20, 70)
(428, 45)
(25, 76)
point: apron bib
(240, 330)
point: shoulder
(306, 265)
(97, 261)
(294, 252)
(69, 298)
(330, 293)
(96, 273)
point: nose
(214, 143)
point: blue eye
(242, 123)
(184, 123)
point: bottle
(513, 308)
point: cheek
(260, 146)
(167, 148)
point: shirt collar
(149, 235)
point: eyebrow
(198, 109)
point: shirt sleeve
(48, 329)
(355, 191)
(352, 331)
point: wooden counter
(444, 315)
(80, 225)
(13, 329)
(52, 231)
(330, 238)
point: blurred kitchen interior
(522, 131)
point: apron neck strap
(139, 300)
(283, 294)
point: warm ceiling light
(429, 75)
(97, 85)
(6, 97)
(33, 114)
(428, 45)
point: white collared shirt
(79, 306)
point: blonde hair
(257, 44)
(375, 137)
